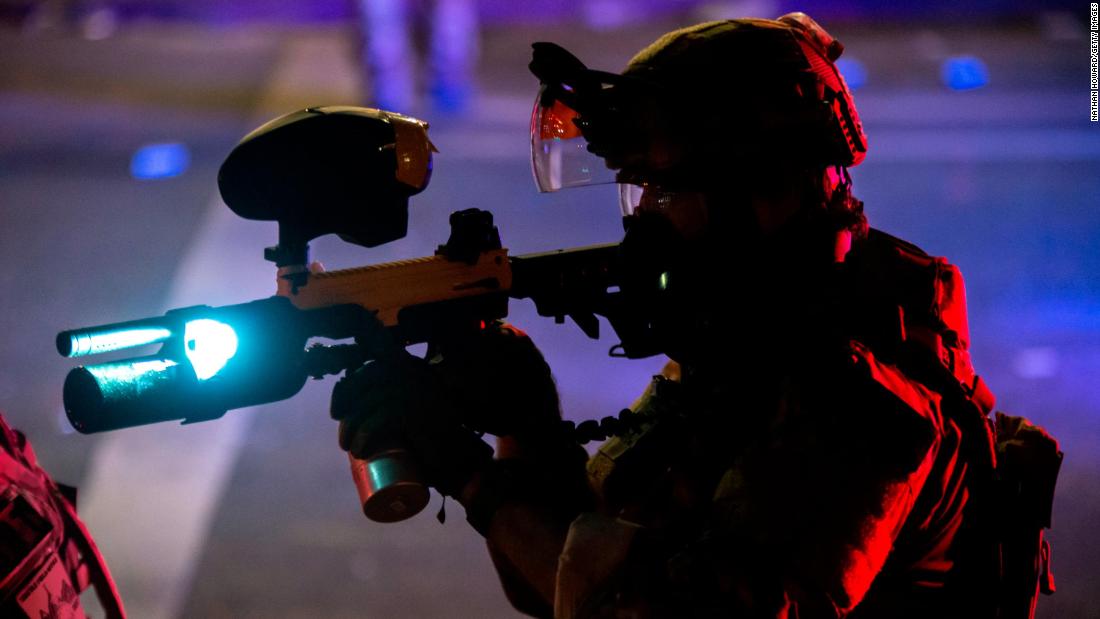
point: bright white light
(209, 345)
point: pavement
(254, 515)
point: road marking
(151, 493)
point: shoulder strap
(99, 575)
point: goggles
(687, 211)
(630, 198)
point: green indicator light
(209, 345)
(662, 281)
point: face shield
(561, 158)
(585, 124)
(616, 132)
(559, 151)
(591, 127)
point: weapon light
(209, 345)
(212, 359)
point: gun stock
(387, 289)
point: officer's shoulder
(882, 248)
(888, 272)
(897, 268)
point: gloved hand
(400, 401)
(494, 381)
(501, 382)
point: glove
(501, 383)
(400, 401)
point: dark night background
(981, 150)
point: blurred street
(255, 515)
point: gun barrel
(214, 359)
(115, 336)
(565, 281)
(122, 394)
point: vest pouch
(1028, 461)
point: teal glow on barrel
(93, 343)
(122, 394)
(129, 373)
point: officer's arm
(523, 506)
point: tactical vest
(47, 556)
(909, 308)
(1017, 462)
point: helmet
(695, 102)
(726, 101)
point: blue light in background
(155, 161)
(964, 73)
(854, 72)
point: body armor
(937, 514)
(47, 556)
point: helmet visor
(559, 153)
